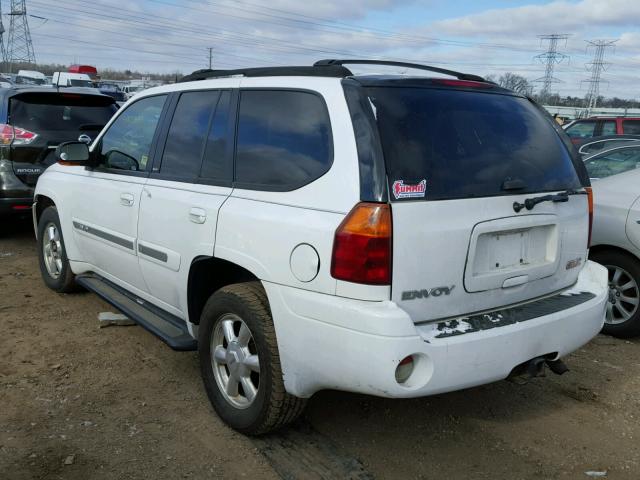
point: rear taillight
(590, 202)
(10, 135)
(362, 245)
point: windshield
(29, 80)
(80, 83)
(458, 144)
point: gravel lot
(79, 402)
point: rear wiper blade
(529, 203)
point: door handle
(126, 199)
(197, 215)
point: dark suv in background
(33, 122)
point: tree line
(520, 84)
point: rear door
(190, 181)
(457, 160)
(43, 120)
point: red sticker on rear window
(400, 190)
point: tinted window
(215, 164)
(127, 143)
(614, 162)
(608, 127)
(466, 144)
(188, 133)
(581, 129)
(61, 117)
(284, 139)
(631, 127)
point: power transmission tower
(550, 58)
(19, 46)
(3, 51)
(596, 66)
(210, 57)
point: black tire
(272, 407)
(64, 282)
(615, 259)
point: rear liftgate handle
(197, 215)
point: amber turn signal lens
(362, 245)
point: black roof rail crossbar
(417, 66)
(304, 71)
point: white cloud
(549, 18)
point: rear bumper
(15, 206)
(328, 342)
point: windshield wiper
(529, 203)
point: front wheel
(52, 255)
(240, 363)
(623, 309)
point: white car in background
(615, 176)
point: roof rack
(417, 66)
(322, 68)
(304, 71)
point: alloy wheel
(624, 296)
(235, 361)
(52, 250)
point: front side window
(581, 129)
(614, 162)
(608, 127)
(187, 135)
(127, 143)
(284, 139)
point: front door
(105, 213)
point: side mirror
(76, 153)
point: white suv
(306, 229)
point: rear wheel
(52, 255)
(240, 362)
(623, 309)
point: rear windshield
(61, 114)
(447, 144)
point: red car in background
(579, 130)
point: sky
(488, 37)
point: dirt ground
(79, 402)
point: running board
(169, 328)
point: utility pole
(210, 57)
(3, 51)
(550, 58)
(19, 46)
(596, 66)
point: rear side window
(284, 139)
(446, 144)
(631, 127)
(61, 117)
(612, 163)
(187, 135)
(581, 129)
(216, 163)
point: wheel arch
(611, 248)
(206, 276)
(41, 202)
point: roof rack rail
(305, 71)
(417, 66)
